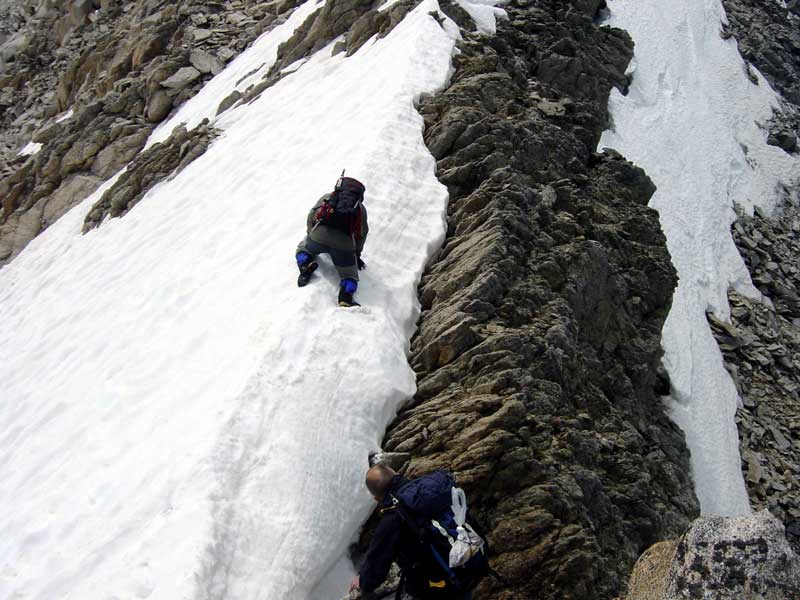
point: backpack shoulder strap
(402, 511)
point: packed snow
(30, 149)
(484, 13)
(693, 120)
(179, 420)
(64, 117)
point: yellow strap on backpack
(437, 584)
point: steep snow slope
(180, 420)
(691, 120)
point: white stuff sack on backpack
(468, 543)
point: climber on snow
(425, 529)
(336, 225)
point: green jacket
(335, 238)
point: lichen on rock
(725, 558)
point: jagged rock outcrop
(119, 68)
(538, 346)
(355, 20)
(720, 558)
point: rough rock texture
(356, 20)
(768, 34)
(721, 558)
(538, 346)
(761, 348)
(649, 578)
(119, 68)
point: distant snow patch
(65, 116)
(484, 13)
(29, 150)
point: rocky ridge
(88, 81)
(538, 348)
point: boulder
(721, 558)
(79, 11)
(116, 155)
(159, 106)
(649, 578)
(71, 191)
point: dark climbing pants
(344, 260)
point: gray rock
(79, 11)
(72, 190)
(17, 44)
(229, 101)
(181, 79)
(237, 18)
(200, 35)
(735, 557)
(116, 155)
(18, 230)
(159, 106)
(783, 139)
(537, 384)
(205, 62)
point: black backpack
(426, 506)
(342, 208)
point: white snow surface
(179, 420)
(691, 120)
(65, 116)
(485, 13)
(30, 149)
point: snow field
(179, 419)
(691, 121)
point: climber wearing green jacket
(336, 225)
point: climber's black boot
(347, 288)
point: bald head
(378, 479)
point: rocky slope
(768, 35)
(119, 69)
(761, 345)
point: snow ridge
(179, 419)
(692, 120)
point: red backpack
(342, 208)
